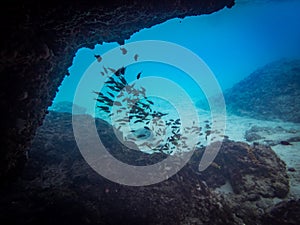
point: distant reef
(271, 92)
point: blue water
(232, 42)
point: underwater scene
(192, 121)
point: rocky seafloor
(59, 187)
(271, 92)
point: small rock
(291, 169)
(253, 197)
(251, 136)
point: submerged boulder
(287, 212)
(251, 170)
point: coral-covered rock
(255, 170)
(287, 212)
(59, 187)
(271, 92)
(256, 175)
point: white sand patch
(290, 154)
(225, 189)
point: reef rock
(251, 170)
(59, 187)
(271, 92)
(287, 212)
(252, 179)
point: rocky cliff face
(271, 92)
(38, 42)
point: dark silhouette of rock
(59, 187)
(39, 42)
(271, 92)
(287, 212)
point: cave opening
(243, 48)
(59, 185)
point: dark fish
(135, 57)
(161, 114)
(139, 75)
(120, 71)
(102, 73)
(110, 94)
(147, 128)
(207, 126)
(122, 79)
(110, 82)
(174, 127)
(150, 102)
(208, 132)
(119, 85)
(143, 104)
(105, 70)
(285, 143)
(112, 70)
(113, 88)
(106, 99)
(141, 135)
(96, 92)
(138, 121)
(103, 107)
(124, 51)
(98, 57)
(99, 100)
(117, 103)
(110, 103)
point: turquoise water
(232, 42)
